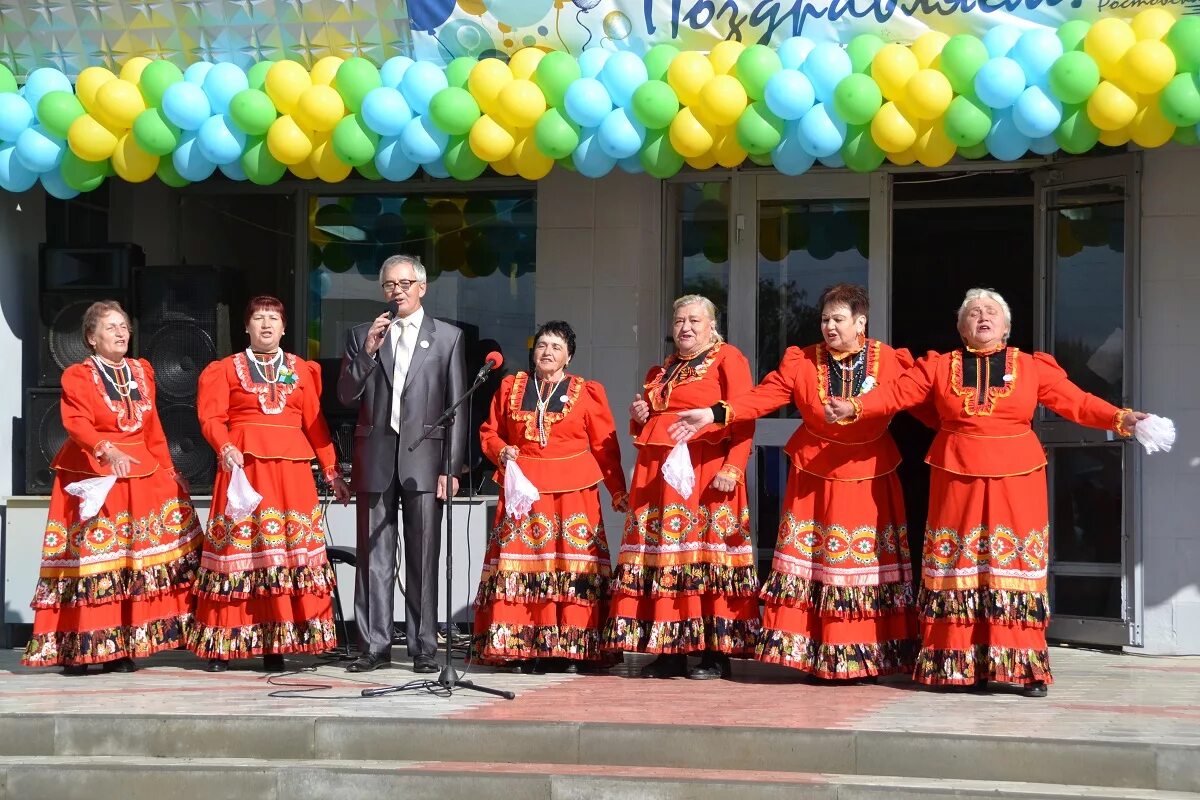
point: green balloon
(461, 161)
(968, 121)
(369, 171)
(758, 130)
(961, 58)
(353, 142)
(167, 173)
(1184, 41)
(155, 79)
(762, 159)
(259, 165)
(555, 135)
(555, 72)
(860, 152)
(1073, 77)
(658, 59)
(258, 74)
(354, 79)
(83, 176)
(252, 111)
(973, 152)
(8, 83)
(857, 98)
(1072, 34)
(862, 49)
(57, 110)
(454, 110)
(1186, 136)
(567, 164)
(458, 70)
(755, 66)
(1180, 100)
(155, 133)
(1076, 133)
(655, 104)
(658, 157)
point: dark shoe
(591, 667)
(425, 665)
(120, 665)
(571, 667)
(218, 665)
(75, 670)
(368, 662)
(1036, 689)
(273, 662)
(527, 666)
(980, 686)
(672, 665)
(711, 667)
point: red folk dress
(545, 577)
(265, 584)
(116, 585)
(839, 596)
(685, 578)
(983, 605)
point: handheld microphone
(394, 308)
(493, 361)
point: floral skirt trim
(582, 588)
(964, 667)
(118, 584)
(503, 642)
(835, 661)
(733, 637)
(317, 579)
(105, 644)
(685, 579)
(304, 636)
(839, 602)
(995, 606)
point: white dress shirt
(404, 333)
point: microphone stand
(448, 680)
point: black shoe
(218, 665)
(980, 686)
(425, 664)
(571, 667)
(120, 665)
(273, 662)
(1036, 689)
(711, 666)
(668, 665)
(368, 662)
(527, 666)
(75, 670)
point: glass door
(1088, 216)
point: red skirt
(265, 584)
(117, 585)
(545, 582)
(685, 578)
(839, 597)
(983, 603)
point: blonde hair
(93, 315)
(980, 293)
(709, 309)
(399, 261)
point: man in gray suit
(403, 369)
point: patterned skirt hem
(836, 602)
(994, 606)
(582, 588)
(305, 636)
(680, 580)
(965, 667)
(117, 585)
(73, 648)
(310, 579)
(733, 637)
(836, 661)
(503, 642)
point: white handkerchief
(1155, 433)
(677, 470)
(519, 493)
(91, 493)
(240, 497)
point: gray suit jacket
(435, 378)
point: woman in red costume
(265, 584)
(983, 605)
(544, 588)
(114, 585)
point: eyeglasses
(404, 286)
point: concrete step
(148, 778)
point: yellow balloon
(933, 147)
(530, 163)
(929, 93)
(505, 166)
(288, 142)
(724, 56)
(520, 103)
(90, 140)
(486, 80)
(326, 164)
(1150, 128)
(904, 158)
(490, 140)
(525, 61)
(891, 130)
(325, 70)
(1117, 138)
(1107, 41)
(688, 73)
(689, 136)
(892, 67)
(703, 161)
(131, 70)
(131, 162)
(89, 82)
(1148, 66)
(927, 47)
(285, 82)
(319, 108)
(303, 170)
(118, 104)
(723, 99)
(727, 151)
(1153, 23)
(1110, 108)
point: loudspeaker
(44, 435)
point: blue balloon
(592, 61)
(789, 94)
(825, 67)
(386, 111)
(55, 186)
(220, 141)
(427, 15)
(39, 150)
(999, 82)
(834, 161)
(233, 170)
(189, 162)
(196, 73)
(14, 176)
(436, 168)
(221, 83)
(391, 162)
(821, 132)
(1045, 146)
(590, 158)
(1001, 39)
(622, 73)
(587, 102)
(15, 116)
(420, 83)
(794, 50)
(1035, 52)
(632, 165)
(43, 81)
(421, 141)
(186, 105)
(789, 156)
(1005, 142)
(392, 71)
(1037, 113)
(620, 135)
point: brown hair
(264, 302)
(91, 318)
(845, 294)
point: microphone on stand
(493, 361)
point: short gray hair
(706, 304)
(399, 261)
(980, 293)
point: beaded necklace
(273, 363)
(121, 380)
(542, 403)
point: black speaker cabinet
(44, 435)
